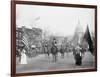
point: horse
(54, 51)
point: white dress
(23, 57)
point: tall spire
(79, 28)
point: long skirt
(23, 59)
(78, 60)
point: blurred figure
(23, 56)
(54, 42)
(78, 55)
(62, 51)
(54, 50)
(46, 49)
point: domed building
(78, 35)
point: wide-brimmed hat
(33, 46)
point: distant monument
(78, 34)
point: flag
(37, 18)
(88, 39)
(25, 41)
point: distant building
(28, 36)
(78, 35)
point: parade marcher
(54, 42)
(19, 51)
(46, 49)
(62, 51)
(23, 56)
(34, 48)
(54, 50)
(78, 55)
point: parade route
(42, 63)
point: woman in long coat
(78, 56)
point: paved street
(44, 63)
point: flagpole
(35, 19)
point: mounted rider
(54, 49)
(54, 42)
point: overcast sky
(55, 20)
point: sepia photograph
(54, 38)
